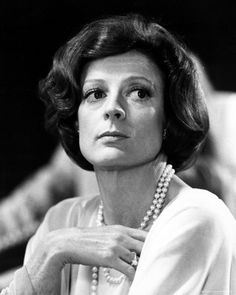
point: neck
(128, 193)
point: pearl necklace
(153, 212)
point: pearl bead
(94, 276)
(142, 225)
(162, 195)
(149, 212)
(146, 218)
(161, 201)
(162, 179)
(110, 279)
(157, 211)
(154, 211)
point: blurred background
(31, 32)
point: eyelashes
(96, 92)
(136, 92)
(141, 92)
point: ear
(76, 125)
(164, 134)
(164, 131)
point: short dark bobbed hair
(186, 115)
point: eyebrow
(94, 80)
(151, 83)
(132, 78)
(129, 79)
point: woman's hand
(108, 246)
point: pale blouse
(190, 249)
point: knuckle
(109, 255)
(112, 251)
(113, 246)
(130, 270)
(118, 238)
(119, 227)
(128, 257)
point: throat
(127, 214)
(136, 212)
(125, 211)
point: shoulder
(192, 241)
(71, 211)
(202, 200)
(195, 222)
(202, 212)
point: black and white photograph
(118, 147)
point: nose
(113, 109)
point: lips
(113, 134)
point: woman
(125, 99)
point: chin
(107, 158)
(119, 165)
(116, 159)
(110, 164)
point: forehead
(132, 63)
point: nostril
(114, 114)
(117, 115)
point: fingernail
(131, 271)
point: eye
(94, 94)
(142, 93)
(139, 93)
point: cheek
(151, 132)
(83, 119)
(83, 124)
(152, 123)
(80, 116)
(87, 122)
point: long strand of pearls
(152, 213)
(159, 196)
(106, 270)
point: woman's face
(121, 115)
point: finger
(133, 245)
(138, 234)
(125, 268)
(130, 257)
(126, 255)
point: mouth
(113, 134)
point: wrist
(55, 250)
(45, 265)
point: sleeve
(58, 216)
(21, 284)
(178, 254)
